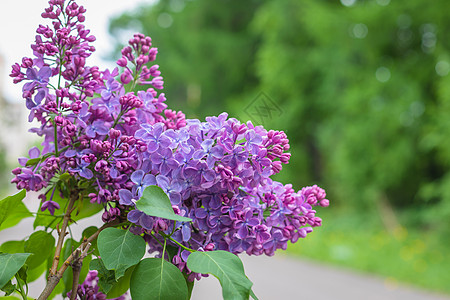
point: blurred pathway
(285, 278)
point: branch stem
(77, 264)
(179, 244)
(62, 233)
(76, 269)
(83, 248)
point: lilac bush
(105, 145)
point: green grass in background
(360, 242)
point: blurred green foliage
(359, 242)
(205, 51)
(362, 91)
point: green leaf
(157, 279)
(36, 272)
(13, 247)
(65, 177)
(252, 294)
(226, 267)
(122, 285)
(11, 263)
(88, 232)
(8, 206)
(154, 202)
(17, 214)
(120, 249)
(41, 245)
(106, 278)
(32, 161)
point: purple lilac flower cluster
(217, 172)
(89, 289)
(87, 118)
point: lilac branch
(77, 264)
(62, 233)
(54, 279)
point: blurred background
(362, 89)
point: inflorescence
(118, 142)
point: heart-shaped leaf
(120, 249)
(154, 202)
(226, 267)
(157, 279)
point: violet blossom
(115, 144)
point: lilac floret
(50, 206)
(141, 219)
(97, 127)
(126, 198)
(33, 153)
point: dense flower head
(217, 173)
(85, 114)
(112, 143)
